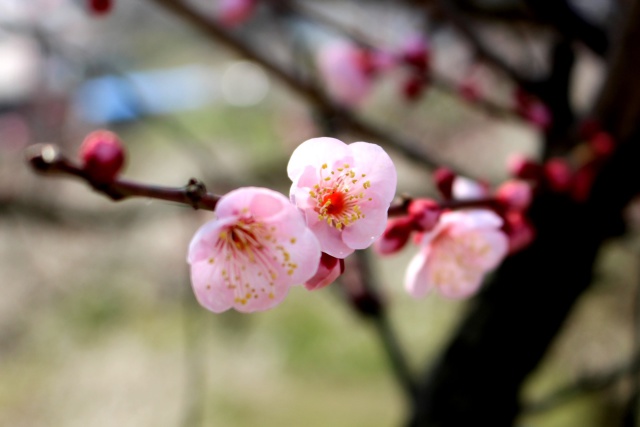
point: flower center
(334, 203)
(339, 195)
(252, 259)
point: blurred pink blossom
(252, 253)
(343, 190)
(347, 71)
(234, 12)
(456, 255)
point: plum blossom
(252, 253)
(347, 70)
(344, 192)
(234, 12)
(457, 253)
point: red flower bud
(413, 87)
(100, 7)
(602, 144)
(102, 155)
(443, 179)
(395, 236)
(558, 174)
(425, 214)
(521, 167)
(514, 195)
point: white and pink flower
(344, 192)
(252, 253)
(455, 256)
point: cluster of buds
(461, 238)
(350, 70)
(574, 176)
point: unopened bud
(395, 236)
(329, 270)
(425, 214)
(558, 174)
(602, 144)
(102, 155)
(443, 179)
(100, 7)
(514, 195)
(521, 167)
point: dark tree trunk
(502, 338)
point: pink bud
(100, 7)
(329, 270)
(538, 115)
(395, 236)
(425, 214)
(443, 179)
(521, 167)
(514, 195)
(102, 155)
(415, 52)
(558, 174)
(234, 12)
(602, 144)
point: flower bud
(425, 214)
(100, 7)
(443, 179)
(395, 236)
(102, 155)
(602, 144)
(329, 270)
(521, 167)
(415, 52)
(413, 87)
(558, 174)
(514, 195)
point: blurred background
(98, 324)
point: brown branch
(47, 159)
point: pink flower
(347, 71)
(249, 257)
(234, 12)
(456, 255)
(344, 192)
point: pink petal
(329, 270)
(373, 161)
(208, 293)
(362, 233)
(416, 280)
(468, 189)
(331, 240)
(316, 152)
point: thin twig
(47, 159)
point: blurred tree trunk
(509, 326)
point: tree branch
(46, 159)
(310, 92)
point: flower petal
(315, 152)
(416, 280)
(375, 163)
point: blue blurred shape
(117, 98)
